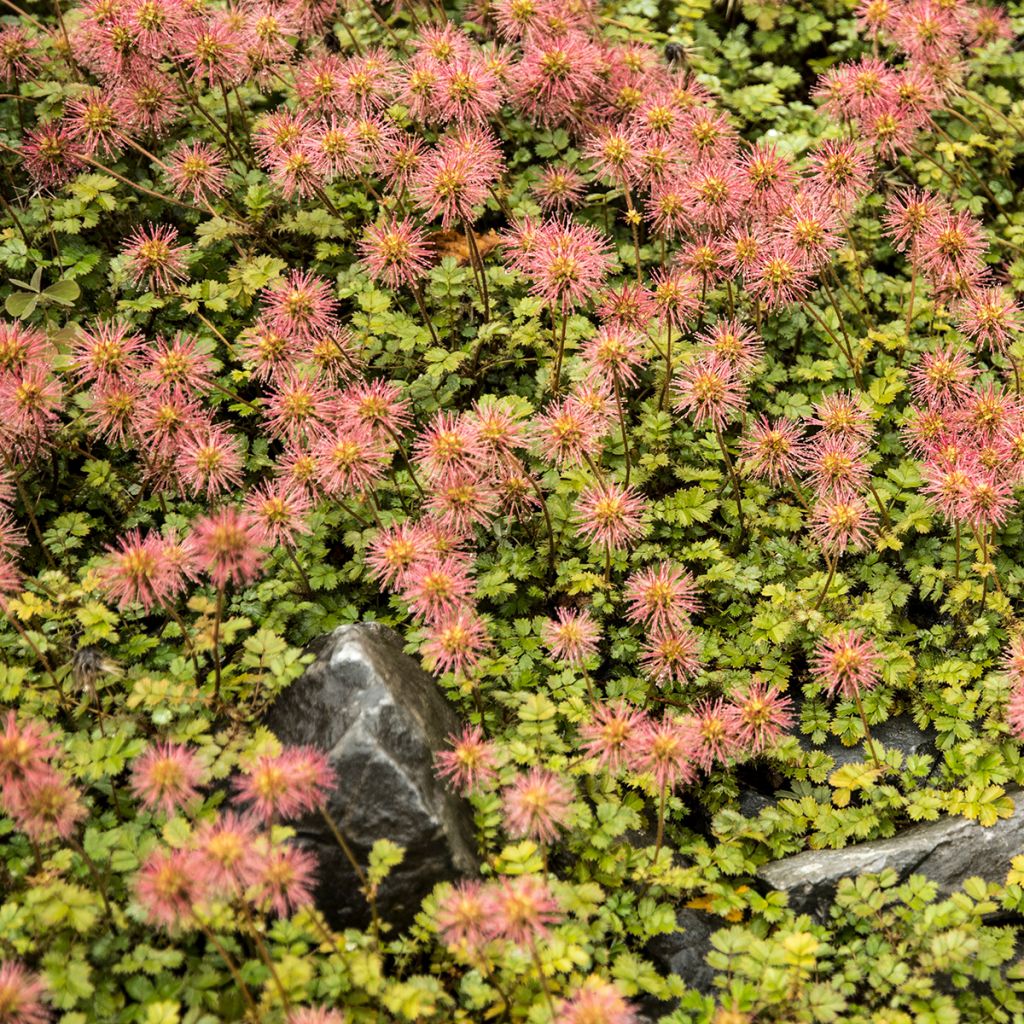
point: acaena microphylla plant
(637, 389)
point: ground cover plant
(653, 370)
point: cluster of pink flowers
(521, 910)
(833, 461)
(233, 855)
(34, 793)
(474, 918)
(621, 738)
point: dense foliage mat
(653, 371)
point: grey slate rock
(684, 952)
(948, 852)
(751, 803)
(380, 719)
(899, 732)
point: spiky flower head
(610, 515)
(571, 636)
(166, 777)
(153, 259)
(537, 805)
(470, 762)
(847, 663)
(396, 252)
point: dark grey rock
(947, 851)
(684, 952)
(380, 719)
(899, 732)
(751, 803)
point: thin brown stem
(832, 563)
(668, 364)
(29, 509)
(417, 291)
(229, 962)
(547, 522)
(543, 980)
(659, 841)
(478, 263)
(867, 728)
(734, 479)
(264, 953)
(559, 343)
(622, 423)
(216, 641)
(32, 645)
(882, 510)
(350, 856)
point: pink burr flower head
(456, 176)
(537, 806)
(736, 343)
(710, 390)
(107, 350)
(25, 750)
(471, 761)
(908, 212)
(210, 461)
(567, 433)
(610, 515)
(396, 252)
(437, 588)
(283, 877)
(286, 785)
(772, 450)
(393, 551)
(166, 777)
(280, 507)
(315, 1015)
(169, 886)
(951, 243)
(463, 916)
(596, 1002)
(836, 465)
(558, 189)
(571, 636)
(614, 353)
(847, 663)
(670, 655)
(718, 732)
(609, 733)
(663, 595)
(779, 277)
(521, 910)
(350, 459)
(842, 522)
(456, 642)
(943, 376)
(665, 749)
(153, 259)
(449, 444)
(301, 305)
(197, 171)
(990, 317)
(226, 545)
(46, 807)
(765, 714)
(569, 264)
(138, 571)
(22, 993)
